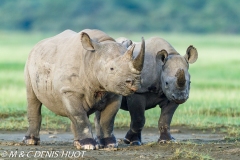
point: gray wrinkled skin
(165, 82)
(75, 74)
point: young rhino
(165, 82)
(75, 74)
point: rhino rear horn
(139, 60)
(129, 53)
(181, 80)
(127, 43)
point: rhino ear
(162, 55)
(87, 43)
(191, 55)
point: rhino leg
(79, 141)
(167, 111)
(136, 106)
(104, 121)
(98, 129)
(81, 127)
(34, 117)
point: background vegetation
(198, 16)
(214, 99)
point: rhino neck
(91, 80)
(93, 92)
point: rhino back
(152, 68)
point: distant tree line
(198, 16)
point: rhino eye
(111, 69)
(166, 83)
(128, 81)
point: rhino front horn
(139, 60)
(180, 78)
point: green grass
(214, 98)
(183, 153)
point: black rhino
(75, 74)
(165, 82)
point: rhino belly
(51, 101)
(44, 90)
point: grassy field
(214, 99)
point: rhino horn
(180, 78)
(139, 60)
(129, 53)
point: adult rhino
(165, 82)
(75, 74)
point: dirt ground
(190, 144)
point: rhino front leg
(105, 121)
(167, 111)
(34, 118)
(136, 106)
(81, 127)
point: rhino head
(175, 78)
(116, 69)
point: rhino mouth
(125, 92)
(132, 90)
(179, 101)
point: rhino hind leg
(34, 118)
(98, 129)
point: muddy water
(58, 145)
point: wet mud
(190, 144)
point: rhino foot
(163, 141)
(31, 140)
(86, 144)
(100, 142)
(132, 143)
(134, 139)
(109, 142)
(135, 143)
